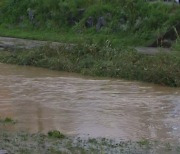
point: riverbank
(116, 40)
(25, 143)
(10, 43)
(126, 63)
(122, 23)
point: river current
(42, 100)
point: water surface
(42, 100)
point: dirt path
(152, 50)
(17, 43)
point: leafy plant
(56, 134)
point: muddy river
(42, 100)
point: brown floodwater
(42, 100)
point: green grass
(130, 22)
(177, 45)
(71, 37)
(7, 120)
(162, 68)
(56, 134)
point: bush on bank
(162, 68)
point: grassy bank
(162, 68)
(72, 38)
(125, 22)
(25, 143)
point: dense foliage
(124, 18)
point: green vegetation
(55, 134)
(144, 142)
(25, 143)
(7, 120)
(104, 50)
(162, 68)
(177, 45)
(127, 22)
